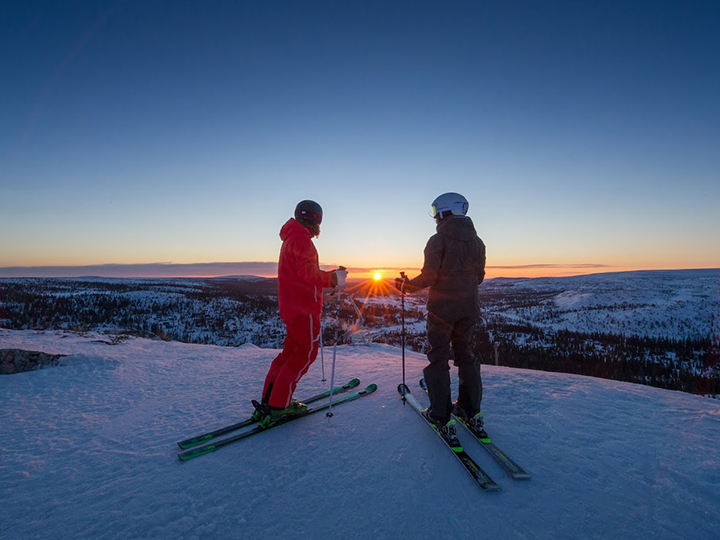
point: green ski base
(205, 437)
(481, 477)
(206, 449)
(510, 467)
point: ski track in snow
(87, 451)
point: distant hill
(673, 304)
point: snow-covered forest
(660, 327)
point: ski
(510, 467)
(205, 437)
(481, 477)
(205, 449)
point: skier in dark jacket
(300, 296)
(454, 267)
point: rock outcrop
(19, 361)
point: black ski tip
(403, 390)
(422, 384)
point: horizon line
(258, 269)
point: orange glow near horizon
(519, 271)
(531, 271)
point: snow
(87, 451)
(676, 304)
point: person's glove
(401, 281)
(338, 277)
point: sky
(585, 135)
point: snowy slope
(87, 451)
(676, 304)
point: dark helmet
(309, 212)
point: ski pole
(332, 374)
(322, 356)
(402, 338)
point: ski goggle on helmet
(309, 211)
(449, 203)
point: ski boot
(476, 424)
(447, 431)
(459, 412)
(273, 415)
(297, 406)
(260, 412)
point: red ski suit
(300, 284)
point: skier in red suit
(300, 296)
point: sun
(377, 276)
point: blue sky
(584, 134)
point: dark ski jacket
(454, 267)
(300, 280)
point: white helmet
(449, 203)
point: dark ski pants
(300, 349)
(452, 340)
